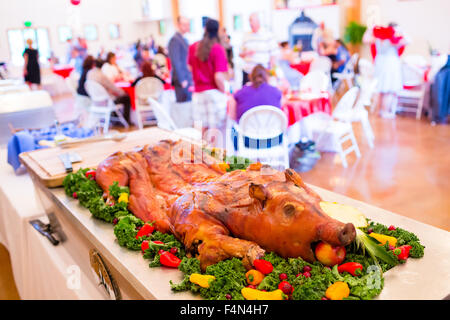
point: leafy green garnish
(403, 238)
(126, 231)
(115, 190)
(230, 274)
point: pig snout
(347, 234)
(337, 234)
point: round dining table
(301, 105)
(302, 66)
(63, 70)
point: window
(162, 27)
(114, 31)
(64, 33)
(17, 43)
(90, 32)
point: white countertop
(426, 278)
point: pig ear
(257, 191)
(293, 176)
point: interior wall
(52, 14)
(426, 22)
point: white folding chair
(347, 74)
(148, 87)
(365, 68)
(314, 82)
(320, 125)
(411, 100)
(102, 106)
(166, 122)
(82, 103)
(321, 63)
(262, 136)
(350, 109)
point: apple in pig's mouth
(329, 255)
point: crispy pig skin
(221, 215)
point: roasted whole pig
(220, 215)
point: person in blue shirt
(342, 56)
(339, 58)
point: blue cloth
(440, 94)
(28, 140)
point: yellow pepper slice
(202, 280)
(383, 238)
(123, 197)
(254, 294)
(337, 291)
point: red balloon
(75, 2)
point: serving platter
(425, 278)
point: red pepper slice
(169, 260)
(145, 231)
(90, 174)
(263, 266)
(354, 268)
(158, 242)
(144, 245)
(404, 252)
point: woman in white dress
(388, 70)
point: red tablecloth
(130, 91)
(296, 108)
(302, 67)
(63, 71)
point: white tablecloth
(41, 270)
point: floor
(8, 290)
(407, 172)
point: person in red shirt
(209, 65)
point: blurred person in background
(160, 64)
(339, 58)
(208, 62)
(31, 68)
(388, 66)
(288, 57)
(120, 97)
(226, 43)
(147, 71)
(258, 92)
(111, 70)
(88, 64)
(178, 52)
(322, 39)
(258, 47)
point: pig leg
(207, 236)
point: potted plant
(353, 35)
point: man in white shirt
(258, 47)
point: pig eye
(289, 209)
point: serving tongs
(112, 135)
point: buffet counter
(126, 275)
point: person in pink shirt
(208, 62)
